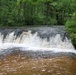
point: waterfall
(48, 38)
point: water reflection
(19, 65)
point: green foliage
(71, 27)
(36, 12)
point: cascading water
(37, 39)
(27, 39)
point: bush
(71, 28)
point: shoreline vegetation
(35, 13)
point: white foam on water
(29, 41)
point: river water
(36, 51)
(18, 65)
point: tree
(35, 12)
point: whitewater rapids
(42, 40)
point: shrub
(71, 28)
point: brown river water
(19, 65)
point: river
(36, 51)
